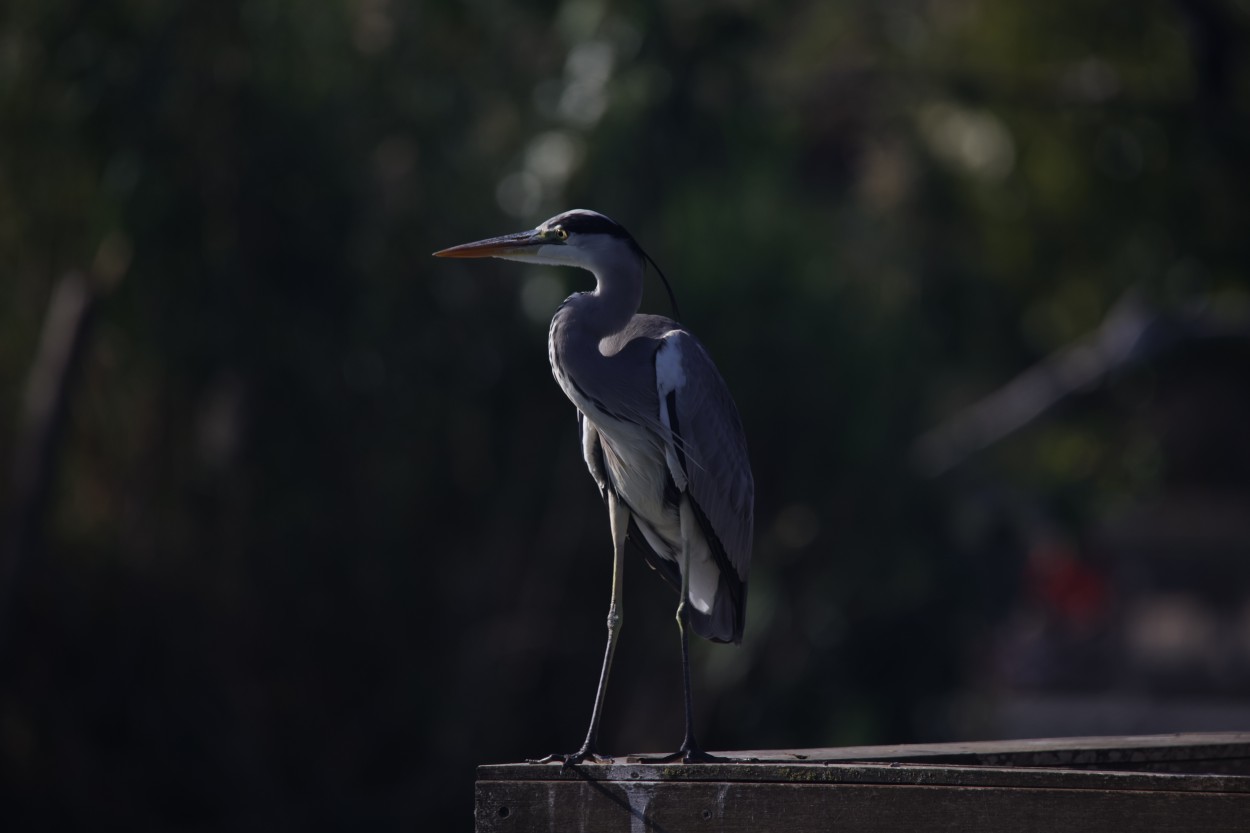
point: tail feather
(727, 620)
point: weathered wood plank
(1227, 752)
(883, 774)
(1112, 784)
(743, 807)
(1198, 753)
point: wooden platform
(1191, 782)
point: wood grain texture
(811, 808)
(1104, 784)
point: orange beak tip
(494, 247)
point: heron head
(574, 238)
(580, 237)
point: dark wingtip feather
(727, 621)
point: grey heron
(660, 434)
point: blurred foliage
(321, 539)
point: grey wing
(708, 447)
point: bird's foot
(688, 754)
(581, 756)
(698, 756)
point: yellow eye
(561, 233)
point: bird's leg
(618, 515)
(689, 751)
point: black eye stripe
(580, 222)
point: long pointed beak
(508, 244)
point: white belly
(636, 465)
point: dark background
(298, 530)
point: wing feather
(707, 443)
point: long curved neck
(617, 296)
(586, 318)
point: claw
(698, 756)
(581, 756)
(688, 754)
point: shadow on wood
(1183, 782)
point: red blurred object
(1074, 591)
